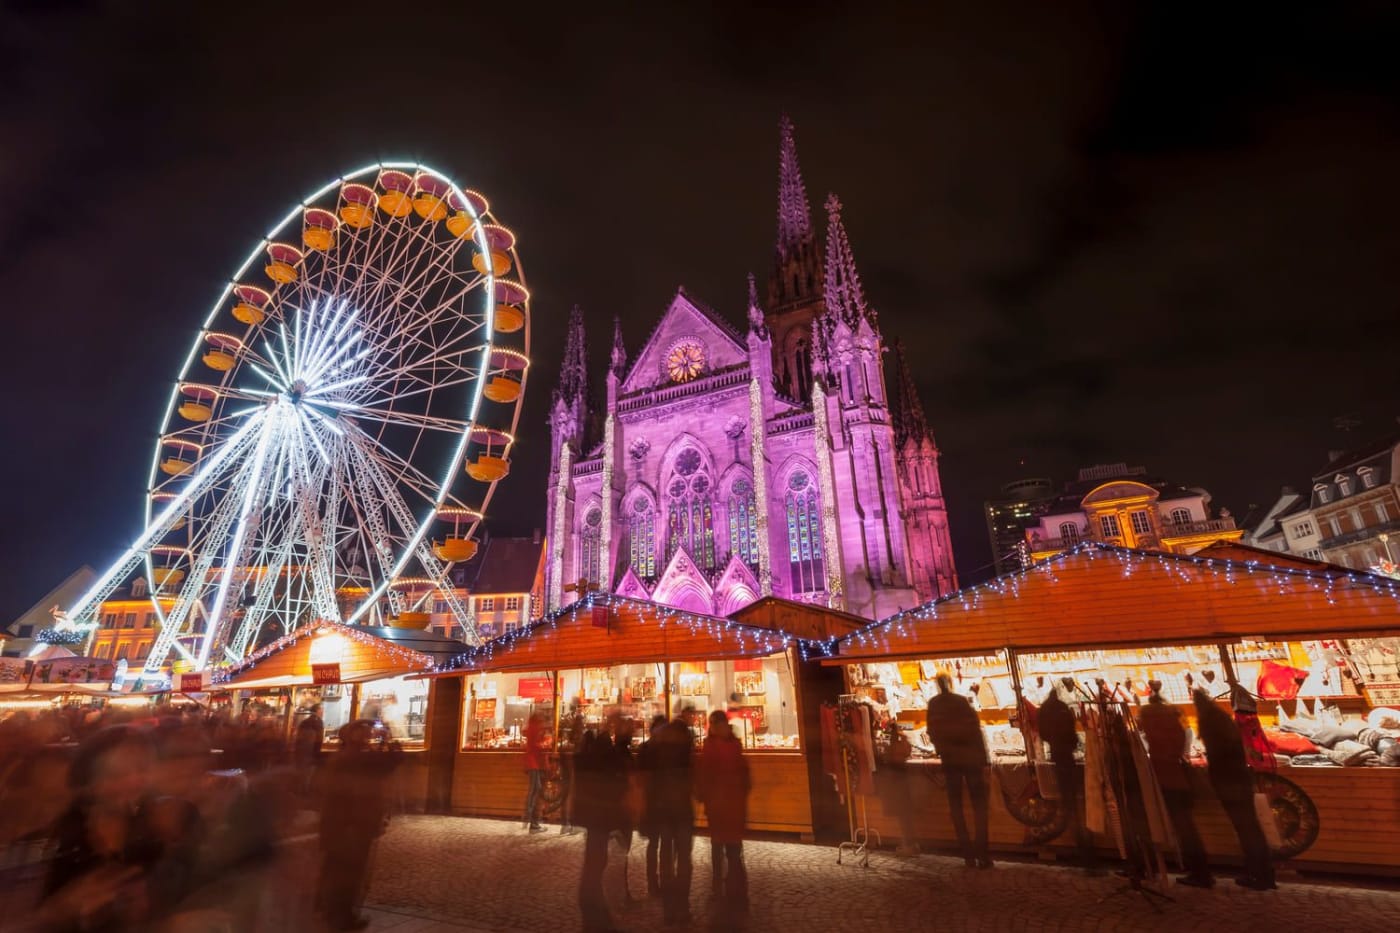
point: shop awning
(1100, 596)
(601, 631)
(328, 653)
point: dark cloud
(1159, 233)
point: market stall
(349, 673)
(1314, 648)
(611, 655)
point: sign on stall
(193, 683)
(322, 674)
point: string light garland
(605, 543)
(58, 636)
(757, 430)
(414, 659)
(835, 580)
(1329, 581)
(752, 640)
(555, 596)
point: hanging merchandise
(1279, 681)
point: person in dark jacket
(724, 786)
(675, 818)
(1057, 729)
(1233, 784)
(354, 813)
(1161, 723)
(648, 765)
(601, 768)
(957, 737)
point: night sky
(1164, 235)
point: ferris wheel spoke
(238, 551)
(412, 476)
(407, 419)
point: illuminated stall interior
(351, 673)
(1313, 645)
(638, 660)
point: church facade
(726, 464)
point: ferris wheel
(340, 423)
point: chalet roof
(1098, 595)
(603, 630)
(362, 653)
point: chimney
(536, 537)
(1333, 455)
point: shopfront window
(499, 706)
(399, 704)
(756, 693)
(635, 691)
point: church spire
(794, 216)
(908, 411)
(619, 349)
(573, 372)
(845, 299)
(796, 281)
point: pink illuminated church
(727, 465)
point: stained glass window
(591, 545)
(743, 522)
(804, 535)
(641, 538)
(689, 512)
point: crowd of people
(185, 818)
(955, 730)
(612, 791)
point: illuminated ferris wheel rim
(286, 398)
(375, 168)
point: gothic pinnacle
(794, 216)
(844, 295)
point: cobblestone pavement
(452, 874)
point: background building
(1118, 504)
(1356, 500)
(18, 636)
(1010, 515)
(726, 465)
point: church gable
(737, 587)
(683, 586)
(690, 341)
(631, 585)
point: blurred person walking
(957, 737)
(724, 784)
(674, 814)
(534, 759)
(1058, 729)
(1161, 724)
(1233, 783)
(354, 813)
(601, 778)
(648, 765)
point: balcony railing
(1364, 534)
(1184, 529)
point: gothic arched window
(591, 548)
(689, 512)
(743, 522)
(641, 538)
(804, 535)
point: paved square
(449, 873)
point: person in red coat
(724, 790)
(534, 771)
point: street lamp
(1385, 542)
